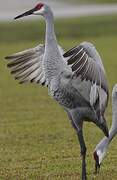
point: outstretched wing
(86, 64)
(27, 66)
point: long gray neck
(113, 129)
(50, 33)
(103, 144)
(53, 62)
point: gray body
(68, 89)
(76, 79)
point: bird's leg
(83, 153)
(77, 123)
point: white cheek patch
(101, 155)
(38, 12)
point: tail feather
(104, 126)
(101, 122)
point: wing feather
(75, 56)
(27, 66)
(86, 65)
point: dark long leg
(83, 153)
(77, 124)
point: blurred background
(62, 8)
(36, 139)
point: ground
(37, 141)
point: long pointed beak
(27, 13)
(97, 167)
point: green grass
(66, 28)
(36, 139)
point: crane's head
(98, 157)
(39, 9)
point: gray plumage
(75, 79)
(102, 146)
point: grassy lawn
(36, 138)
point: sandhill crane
(75, 79)
(102, 146)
